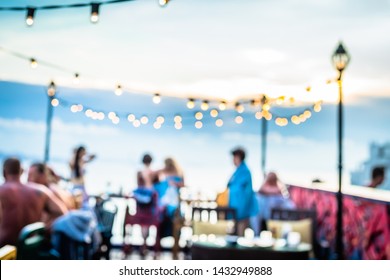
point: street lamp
(51, 92)
(340, 60)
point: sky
(203, 49)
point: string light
(115, 120)
(308, 89)
(101, 116)
(55, 102)
(136, 123)
(266, 107)
(157, 125)
(118, 90)
(163, 3)
(190, 103)
(258, 115)
(80, 107)
(88, 113)
(198, 124)
(307, 114)
(178, 125)
(51, 91)
(222, 105)
(30, 16)
(239, 119)
(144, 120)
(130, 117)
(295, 120)
(160, 119)
(76, 79)
(205, 105)
(112, 115)
(198, 116)
(280, 100)
(239, 108)
(219, 122)
(214, 113)
(317, 107)
(95, 12)
(156, 98)
(177, 119)
(33, 63)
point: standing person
(21, 205)
(241, 194)
(77, 166)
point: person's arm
(54, 206)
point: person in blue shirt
(241, 194)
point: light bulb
(156, 98)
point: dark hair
(147, 159)
(378, 171)
(77, 158)
(11, 166)
(41, 167)
(239, 152)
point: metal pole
(263, 140)
(339, 227)
(49, 118)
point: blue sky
(209, 49)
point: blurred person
(77, 166)
(21, 205)
(272, 194)
(241, 194)
(377, 177)
(40, 173)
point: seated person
(21, 205)
(272, 194)
(377, 177)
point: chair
(105, 212)
(8, 252)
(302, 220)
(33, 245)
(145, 215)
(70, 249)
(218, 221)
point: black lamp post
(51, 92)
(340, 60)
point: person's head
(271, 178)
(171, 166)
(238, 156)
(12, 169)
(377, 176)
(38, 173)
(147, 159)
(79, 154)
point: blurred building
(379, 156)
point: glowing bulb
(205, 105)
(80, 107)
(295, 120)
(55, 102)
(130, 117)
(191, 103)
(95, 12)
(258, 115)
(115, 120)
(198, 124)
(239, 108)
(266, 107)
(136, 123)
(118, 90)
(219, 122)
(307, 114)
(30, 16)
(214, 113)
(51, 91)
(33, 63)
(177, 118)
(74, 108)
(160, 119)
(101, 116)
(156, 98)
(280, 100)
(88, 113)
(268, 116)
(111, 115)
(199, 116)
(317, 108)
(95, 115)
(292, 100)
(163, 3)
(76, 78)
(239, 119)
(222, 106)
(157, 125)
(144, 120)
(178, 125)
(308, 89)
(302, 118)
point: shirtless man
(39, 173)
(21, 205)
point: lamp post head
(340, 58)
